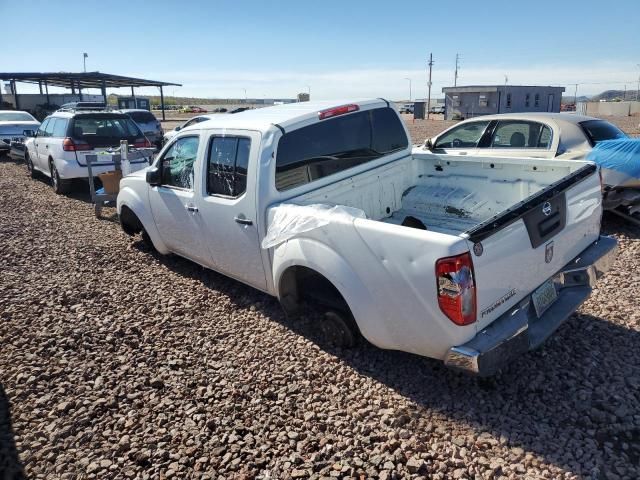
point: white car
(192, 121)
(59, 147)
(327, 203)
(13, 123)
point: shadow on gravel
(613, 224)
(10, 466)
(572, 401)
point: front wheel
(59, 186)
(339, 329)
(30, 169)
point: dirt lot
(118, 363)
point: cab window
(177, 163)
(463, 136)
(520, 134)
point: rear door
(228, 205)
(43, 140)
(173, 203)
(515, 252)
(462, 139)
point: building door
(550, 103)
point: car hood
(16, 128)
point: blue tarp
(622, 155)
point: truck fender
(129, 198)
(312, 254)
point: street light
(409, 87)
(84, 61)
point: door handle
(191, 208)
(243, 221)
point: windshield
(600, 130)
(16, 117)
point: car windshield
(600, 130)
(16, 117)
(142, 117)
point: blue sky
(337, 48)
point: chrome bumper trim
(519, 330)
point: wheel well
(129, 221)
(299, 284)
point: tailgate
(518, 250)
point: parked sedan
(13, 123)
(148, 123)
(538, 135)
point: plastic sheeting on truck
(620, 155)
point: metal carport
(78, 81)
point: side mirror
(153, 176)
(177, 129)
(428, 143)
(29, 133)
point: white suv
(60, 146)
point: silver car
(148, 123)
(13, 123)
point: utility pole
(84, 61)
(455, 75)
(638, 89)
(429, 84)
(409, 88)
(575, 98)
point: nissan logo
(546, 209)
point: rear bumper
(519, 329)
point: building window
(456, 101)
(527, 100)
(508, 100)
(537, 100)
(482, 101)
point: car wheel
(30, 169)
(59, 186)
(339, 329)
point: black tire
(59, 186)
(29, 163)
(339, 329)
(146, 239)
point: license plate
(544, 297)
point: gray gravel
(116, 363)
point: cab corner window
(177, 163)
(227, 165)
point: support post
(73, 88)
(46, 89)
(429, 85)
(104, 92)
(40, 86)
(162, 104)
(15, 94)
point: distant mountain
(615, 95)
(571, 98)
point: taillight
(70, 145)
(457, 288)
(334, 112)
(142, 143)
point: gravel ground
(118, 363)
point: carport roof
(83, 79)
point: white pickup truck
(473, 261)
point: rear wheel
(59, 186)
(30, 169)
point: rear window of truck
(337, 144)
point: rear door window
(463, 136)
(337, 144)
(60, 127)
(600, 130)
(48, 129)
(521, 134)
(228, 160)
(42, 126)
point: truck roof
(262, 119)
